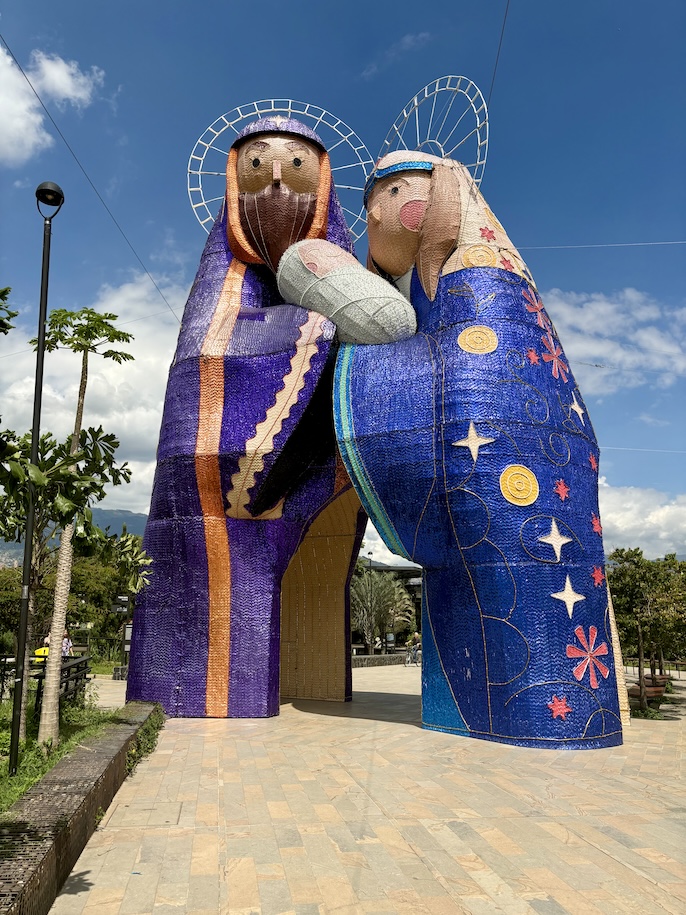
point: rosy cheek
(412, 214)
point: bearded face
(278, 176)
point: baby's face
(395, 215)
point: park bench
(654, 694)
(73, 678)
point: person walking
(67, 647)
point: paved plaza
(353, 808)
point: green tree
(89, 333)
(10, 595)
(379, 603)
(128, 564)
(6, 314)
(65, 483)
(650, 604)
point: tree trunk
(643, 699)
(27, 662)
(662, 662)
(653, 667)
(49, 730)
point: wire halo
(430, 123)
(348, 154)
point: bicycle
(413, 656)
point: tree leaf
(17, 471)
(36, 475)
(64, 506)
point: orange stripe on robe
(210, 491)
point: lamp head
(50, 195)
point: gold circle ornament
(491, 217)
(478, 339)
(479, 256)
(519, 485)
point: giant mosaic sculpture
(254, 526)
(471, 448)
(457, 417)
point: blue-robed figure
(472, 450)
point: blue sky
(587, 147)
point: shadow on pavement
(77, 883)
(393, 707)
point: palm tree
(379, 603)
(86, 332)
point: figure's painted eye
(297, 162)
(395, 190)
(256, 163)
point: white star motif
(569, 597)
(577, 408)
(555, 539)
(473, 441)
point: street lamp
(49, 195)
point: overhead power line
(88, 178)
(619, 244)
(497, 56)
(646, 450)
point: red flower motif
(559, 708)
(593, 461)
(487, 233)
(533, 357)
(535, 306)
(507, 265)
(595, 521)
(559, 367)
(589, 653)
(597, 576)
(561, 489)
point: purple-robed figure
(253, 527)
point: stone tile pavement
(333, 808)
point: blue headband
(391, 170)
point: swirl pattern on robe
(472, 450)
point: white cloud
(406, 44)
(373, 544)
(631, 517)
(24, 132)
(645, 518)
(63, 81)
(619, 341)
(653, 421)
(125, 399)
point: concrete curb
(377, 660)
(43, 834)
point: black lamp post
(50, 195)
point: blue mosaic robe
(472, 451)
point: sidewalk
(351, 808)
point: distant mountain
(12, 554)
(115, 519)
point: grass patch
(77, 723)
(637, 712)
(103, 668)
(145, 740)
